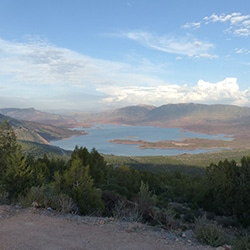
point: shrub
(242, 243)
(3, 195)
(45, 196)
(42, 196)
(128, 211)
(146, 201)
(209, 233)
(110, 199)
(165, 217)
(64, 203)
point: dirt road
(27, 229)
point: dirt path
(24, 229)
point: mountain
(37, 132)
(164, 115)
(36, 128)
(31, 114)
(177, 111)
(211, 119)
(169, 113)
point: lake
(99, 135)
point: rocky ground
(24, 229)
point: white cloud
(234, 18)
(215, 18)
(192, 26)
(180, 46)
(242, 32)
(39, 74)
(44, 76)
(238, 18)
(242, 51)
(239, 25)
(208, 56)
(226, 91)
(36, 63)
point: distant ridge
(31, 114)
(34, 131)
(142, 114)
(132, 114)
(219, 111)
(215, 118)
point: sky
(104, 54)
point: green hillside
(39, 150)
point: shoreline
(189, 143)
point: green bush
(4, 197)
(209, 233)
(165, 217)
(128, 211)
(45, 196)
(242, 243)
(42, 196)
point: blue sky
(96, 55)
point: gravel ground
(24, 229)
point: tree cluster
(86, 184)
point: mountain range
(42, 127)
(212, 119)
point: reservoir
(99, 137)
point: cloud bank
(44, 76)
(226, 91)
(238, 24)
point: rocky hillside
(37, 132)
(31, 114)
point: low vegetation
(84, 183)
(242, 243)
(208, 232)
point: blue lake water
(99, 136)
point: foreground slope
(38, 229)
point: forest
(85, 184)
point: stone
(225, 247)
(183, 235)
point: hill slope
(196, 117)
(31, 114)
(37, 132)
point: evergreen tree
(41, 173)
(80, 186)
(242, 204)
(18, 174)
(228, 189)
(98, 168)
(8, 145)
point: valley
(233, 122)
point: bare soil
(36, 229)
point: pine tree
(8, 145)
(80, 186)
(18, 174)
